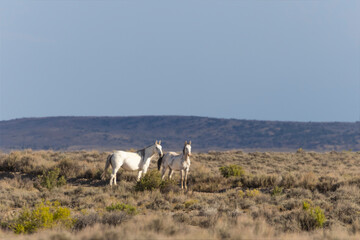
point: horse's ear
(185, 142)
(156, 142)
(159, 142)
(190, 143)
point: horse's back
(173, 160)
(169, 156)
(125, 154)
(173, 154)
(127, 160)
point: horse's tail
(160, 161)
(108, 162)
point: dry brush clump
(255, 195)
(27, 161)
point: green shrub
(231, 170)
(311, 217)
(306, 205)
(277, 191)
(45, 215)
(51, 179)
(151, 181)
(122, 207)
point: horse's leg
(170, 173)
(145, 169)
(139, 175)
(163, 170)
(186, 175)
(181, 178)
(113, 175)
(111, 178)
(116, 164)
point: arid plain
(231, 194)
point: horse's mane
(141, 152)
(143, 149)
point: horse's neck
(185, 157)
(141, 153)
(148, 153)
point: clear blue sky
(265, 60)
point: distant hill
(108, 133)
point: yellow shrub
(45, 215)
(241, 193)
(252, 193)
(312, 217)
(248, 193)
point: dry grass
(266, 202)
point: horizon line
(196, 116)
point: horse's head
(158, 148)
(187, 148)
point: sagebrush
(265, 201)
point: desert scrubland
(231, 194)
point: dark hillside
(107, 133)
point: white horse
(179, 162)
(131, 161)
